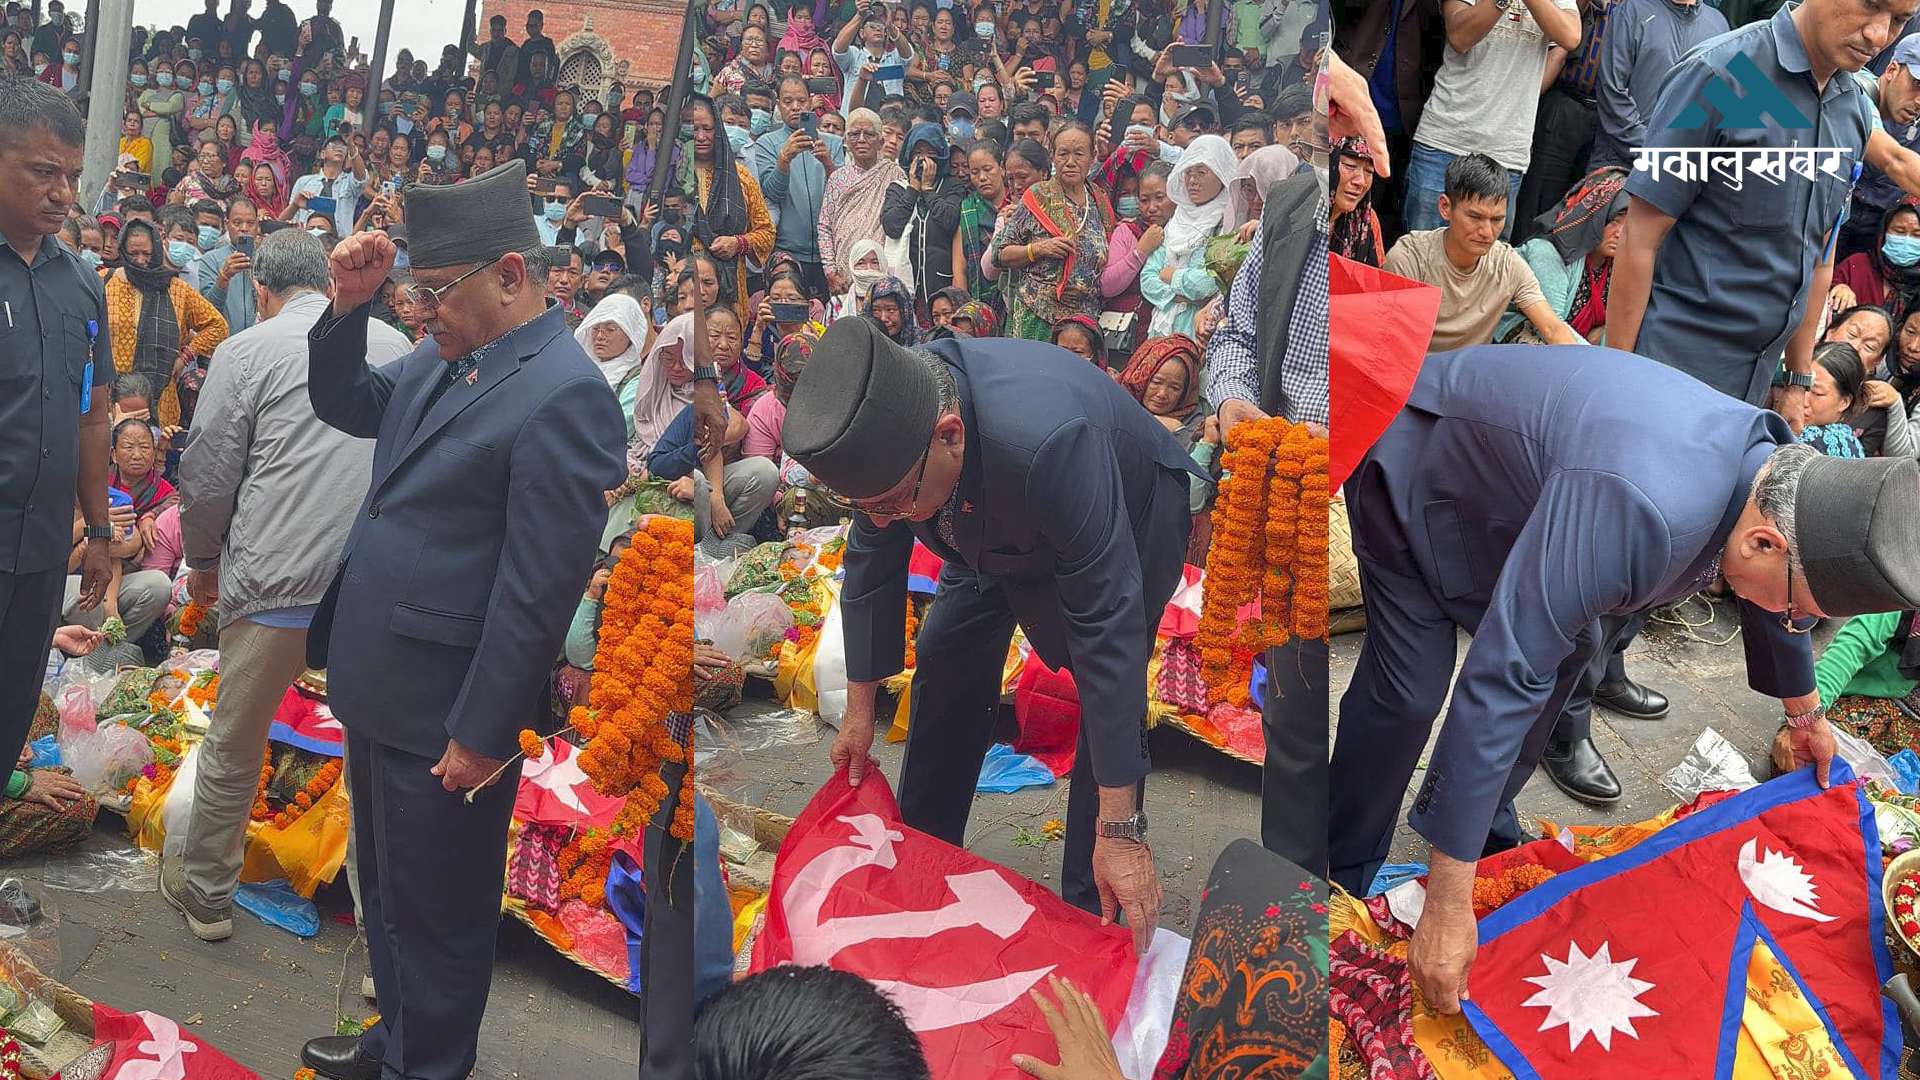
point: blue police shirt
(1730, 281)
(53, 318)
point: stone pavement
(1701, 668)
(259, 995)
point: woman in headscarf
(616, 334)
(157, 323)
(1888, 274)
(558, 146)
(800, 37)
(646, 144)
(1175, 278)
(1573, 257)
(605, 163)
(891, 305)
(769, 412)
(264, 149)
(855, 194)
(1056, 236)
(1355, 233)
(923, 210)
(867, 271)
(258, 109)
(1080, 335)
(974, 319)
(1247, 191)
(730, 219)
(785, 287)
(269, 194)
(1164, 376)
(662, 386)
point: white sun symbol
(1591, 995)
(1777, 880)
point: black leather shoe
(1630, 699)
(339, 1057)
(1578, 769)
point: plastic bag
(29, 926)
(750, 626)
(179, 806)
(830, 669)
(1140, 1038)
(1712, 764)
(1866, 761)
(104, 759)
(78, 697)
(710, 591)
(46, 751)
(1906, 764)
(127, 869)
(276, 904)
(1006, 771)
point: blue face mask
(400, 260)
(436, 152)
(983, 29)
(1127, 206)
(91, 258)
(137, 79)
(1901, 250)
(194, 55)
(738, 137)
(762, 122)
(180, 252)
(960, 128)
(209, 237)
(556, 209)
(72, 59)
(165, 78)
(283, 75)
(309, 89)
(225, 86)
(206, 88)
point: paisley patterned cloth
(1253, 1000)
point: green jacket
(1859, 661)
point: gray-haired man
(268, 493)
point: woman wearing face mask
(66, 73)
(1175, 278)
(203, 103)
(1139, 233)
(975, 52)
(157, 323)
(866, 272)
(924, 211)
(855, 195)
(159, 104)
(645, 157)
(1888, 274)
(605, 163)
(663, 388)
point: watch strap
(97, 532)
(707, 372)
(1800, 378)
(1807, 719)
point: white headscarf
(1261, 170)
(858, 290)
(623, 311)
(1193, 224)
(658, 401)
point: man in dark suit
(497, 439)
(1523, 497)
(1058, 503)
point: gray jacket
(268, 491)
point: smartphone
(822, 85)
(790, 313)
(1190, 56)
(1043, 80)
(604, 206)
(137, 179)
(543, 186)
(321, 204)
(890, 73)
(391, 187)
(244, 246)
(273, 225)
(810, 124)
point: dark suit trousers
(1293, 783)
(431, 871)
(1609, 666)
(29, 608)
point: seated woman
(742, 385)
(773, 324)
(1886, 275)
(974, 319)
(1868, 329)
(803, 502)
(1355, 233)
(942, 305)
(1573, 257)
(1079, 334)
(46, 811)
(1837, 382)
(891, 305)
(663, 390)
(867, 275)
(1175, 278)
(728, 493)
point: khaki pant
(257, 664)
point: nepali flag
(954, 940)
(304, 721)
(554, 790)
(923, 570)
(1637, 965)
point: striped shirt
(1233, 354)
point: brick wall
(644, 33)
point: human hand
(1351, 112)
(1840, 298)
(709, 660)
(1142, 142)
(796, 144)
(763, 316)
(1813, 745)
(95, 574)
(725, 247)
(300, 199)
(1055, 247)
(709, 418)
(1124, 875)
(836, 282)
(76, 640)
(26, 757)
(852, 748)
(1150, 240)
(1232, 411)
(359, 265)
(574, 215)
(1791, 404)
(1210, 432)
(1881, 395)
(237, 263)
(1444, 943)
(682, 489)
(597, 588)
(203, 587)
(719, 516)
(1080, 1037)
(1246, 231)
(461, 768)
(54, 790)
(1781, 752)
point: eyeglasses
(431, 298)
(1786, 618)
(894, 512)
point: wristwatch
(1799, 378)
(1133, 828)
(97, 532)
(709, 372)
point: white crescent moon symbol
(1777, 881)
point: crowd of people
(1518, 171)
(1089, 175)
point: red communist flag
(953, 939)
(148, 1046)
(1380, 324)
(1636, 965)
(554, 791)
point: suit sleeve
(1568, 567)
(1779, 663)
(1075, 499)
(568, 454)
(346, 393)
(873, 599)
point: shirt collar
(41, 254)
(1791, 52)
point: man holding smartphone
(879, 45)
(342, 177)
(795, 163)
(224, 275)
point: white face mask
(867, 279)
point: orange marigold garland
(190, 617)
(1269, 542)
(913, 633)
(532, 745)
(643, 676)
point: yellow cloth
(307, 853)
(202, 328)
(760, 233)
(141, 148)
